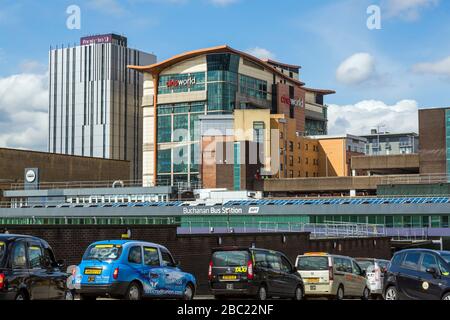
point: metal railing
(316, 230)
(416, 179)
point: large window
(164, 161)
(253, 87)
(164, 129)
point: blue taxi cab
(132, 270)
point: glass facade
(253, 87)
(315, 127)
(237, 167)
(447, 136)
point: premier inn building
(205, 85)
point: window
(299, 160)
(260, 259)
(291, 160)
(19, 259)
(274, 261)
(285, 265)
(35, 256)
(356, 269)
(291, 173)
(167, 259)
(291, 146)
(348, 267)
(299, 146)
(313, 263)
(307, 161)
(306, 147)
(397, 259)
(428, 262)
(338, 265)
(151, 257)
(253, 87)
(445, 270)
(135, 255)
(411, 260)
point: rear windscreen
(230, 258)
(366, 265)
(312, 263)
(103, 252)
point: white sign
(30, 176)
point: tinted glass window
(19, 259)
(151, 257)
(428, 261)
(274, 261)
(135, 255)
(2, 250)
(230, 258)
(397, 259)
(312, 263)
(411, 260)
(103, 252)
(446, 257)
(260, 259)
(365, 264)
(285, 265)
(167, 259)
(356, 269)
(444, 268)
(347, 264)
(35, 256)
(339, 264)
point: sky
(382, 75)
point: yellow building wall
(332, 154)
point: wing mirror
(432, 271)
(60, 263)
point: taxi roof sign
(316, 254)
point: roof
(281, 64)
(343, 136)
(321, 91)
(156, 68)
(391, 134)
(440, 252)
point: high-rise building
(95, 100)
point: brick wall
(193, 251)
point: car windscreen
(366, 265)
(446, 257)
(312, 263)
(230, 258)
(103, 252)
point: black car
(418, 274)
(28, 270)
(255, 273)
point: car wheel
(391, 293)
(68, 295)
(262, 293)
(298, 294)
(340, 293)
(446, 296)
(134, 292)
(366, 294)
(188, 293)
(21, 296)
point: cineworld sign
(181, 83)
(292, 102)
(96, 39)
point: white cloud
(356, 69)
(261, 53)
(363, 116)
(23, 111)
(407, 9)
(441, 67)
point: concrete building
(95, 101)
(386, 143)
(215, 81)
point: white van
(332, 276)
(375, 270)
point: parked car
(131, 270)
(418, 274)
(255, 273)
(332, 276)
(29, 271)
(375, 270)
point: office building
(386, 143)
(95, 100)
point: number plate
(91, 271)
(230, 286)
(313, 280)
(312, 288)
(229, 277)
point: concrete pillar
(352, 193)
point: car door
(274, 274)
(154, 275)
(350, 288)
(359, 279)
(289, 278)
(56, 278)
(18, 262)
(408, 275)
(428, 285)
(174, 284)
(39, 284)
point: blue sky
(381, 76)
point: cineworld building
(207, 88)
